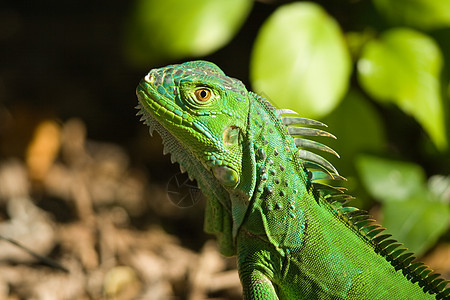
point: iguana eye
(202, 94)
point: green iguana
(266, 200)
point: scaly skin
(291, 234)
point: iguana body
(291, 234)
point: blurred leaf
(173, 29)
(424, 14)
(439, 186)
(403, 66)
(413, 213)
(358, 128)
(356, 41)
(300, 60)
(418, 222)
(390, 180)
(448, 90)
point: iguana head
(201, 113)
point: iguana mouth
(155, 104)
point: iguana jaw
(159, 108)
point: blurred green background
(376, 71)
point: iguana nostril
(149, 78)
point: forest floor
(80, 204)
(97, 219)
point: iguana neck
(276, 212)
(276, 154)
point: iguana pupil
(202, 94)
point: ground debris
(76, 202)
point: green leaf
(424, 14)
(403, 66)
(415, 213)
(390, 180)
(173, 29)
(418, 222)
(358, 129)
(440, 187)
(300, 60)
(357, 40)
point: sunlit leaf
(300, 60)
(440, 187)
(415, 213)
(403, 66)
(390, 180)
(173, 29)
(418, 222)
(424, 14)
